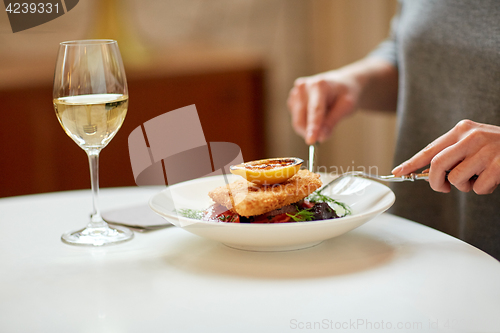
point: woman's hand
(468, 149)
(318, 102)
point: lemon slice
(268, 171)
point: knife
(312, 156)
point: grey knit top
(448, 56)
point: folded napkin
(138, 216)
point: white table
(389, 275)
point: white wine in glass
(91, 101)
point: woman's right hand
(318, 102)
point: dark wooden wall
(37, 156)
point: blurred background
(235, 59)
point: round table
(390, 274)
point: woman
(441, 69)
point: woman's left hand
(468, 149)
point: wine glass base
(98, 236)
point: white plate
(366, 198)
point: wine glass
(91, 100)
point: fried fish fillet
(249, 199)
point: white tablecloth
(391, 274)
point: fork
(391, 178)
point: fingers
(460, 176)
(464, 161)
(487, 162)
(425, 156)
(307, 103)
(318, 102)
(470, 150)
(316, 110)
(344, 104)
(489, 179)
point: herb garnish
(302, 215)
(227, 218)
(317, 197)
(192, 213)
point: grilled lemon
(268, 171)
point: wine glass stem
(96, 220)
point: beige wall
(292, 37)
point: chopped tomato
(220, 213)
(261, 219)
(307, 205)
(275, 219)
(228, 216)
(213, 211)
(280, 218)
